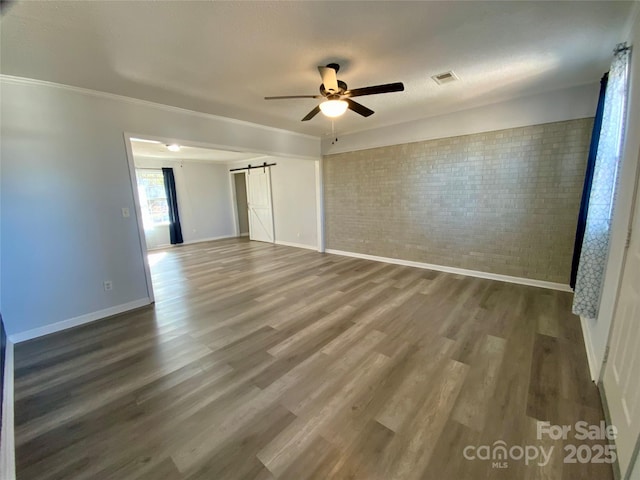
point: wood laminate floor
(269, 362)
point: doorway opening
(242, 206)
(184, 194)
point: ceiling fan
(337, 97)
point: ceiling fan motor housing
(342, 87)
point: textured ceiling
(224, 57)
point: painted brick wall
(502, 202)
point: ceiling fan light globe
(334, 108)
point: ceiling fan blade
(329, 78)
(358, 108)
(374, 90)
(312, 113)
(292, 96)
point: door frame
(630, 226)
(127, 136)
(137, 213)
(635, 455)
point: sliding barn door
(621, 378)
(260, 207)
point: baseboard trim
(459, 271)
(203, 240)
(244, 234)
(594, 368)
(77, 321)
(297, 245)
(191, 242)
(7, 436)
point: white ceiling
(224, 57)
(148, 150)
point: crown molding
(15, 80)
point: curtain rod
(249, 167)
(621, 47)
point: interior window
(153, 198)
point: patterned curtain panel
(595, 248)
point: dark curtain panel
(175, 230)
(588, 180)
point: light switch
(125, 212)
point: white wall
(294, 192)
(597, 330)
(204, 200)
(567, 104)
(157, 236)
(635, 473)
(64, 181)
(294, 201)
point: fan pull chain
(333, 132)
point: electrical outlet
(125, 212)
(108, 285)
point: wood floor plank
(288, 445)
(267, 362)
(355, 461)
(411, 449)
(417, 382)
(448, 459)
(475, 398)
(316, 389)
(236, 458)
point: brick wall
(502, 202)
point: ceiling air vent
(446, 77)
